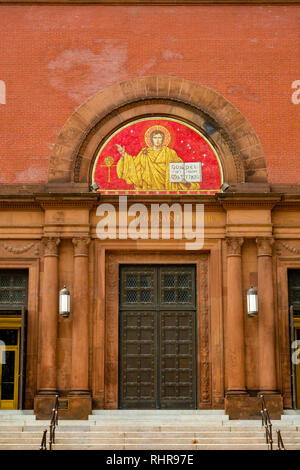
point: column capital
(81, 246)
(264, 246)
(234, 246)
(51, 246)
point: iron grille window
(13, 288)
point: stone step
(158, 412)
(158, 441)
(24, 418)
(168, 427)
(36, 441)
(159, 417)
(19, 447)
(149, 435)
(163, 447)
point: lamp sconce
(64, 302)
(224, 187)
(252, 302)
(94, 187)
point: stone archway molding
(68, 158)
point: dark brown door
(157, 337)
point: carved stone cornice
(81, 246)
(234, 246)
(51, 246)
(264, 246)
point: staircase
(147, 430)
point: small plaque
(63, 404)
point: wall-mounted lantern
(64, 302)
(252, 302)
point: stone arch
(230, 133)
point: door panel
(138, 370)
(177, 359)
(157, 337)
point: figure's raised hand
(121, 150)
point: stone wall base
(70, 407)
(244, 406)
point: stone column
(266, 320)
(49, 318)
(80, 316)
(235, 353)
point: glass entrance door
(13, 314)
(294, 311)
(9, 366)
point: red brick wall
(54, 57)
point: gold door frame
(11, 323)
(296, 326)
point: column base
(69, 407)
(244, 406)
(75, 406)
(44, 403)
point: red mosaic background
(187, 143)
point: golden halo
(163, 129)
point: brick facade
(57, 57)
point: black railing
(53, 424)
(266, 422)
(44, 441)
(280, 443)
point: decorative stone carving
(205, 363)
(234, 246)
(81, 246)
(51, 246)
(16, 248)
(288, 247)
(13, 249)
(77, 167)
(264, 246)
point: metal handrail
(44, 441)
(280, 443)
(266, 422)
(53, 423)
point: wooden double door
(157, 337)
